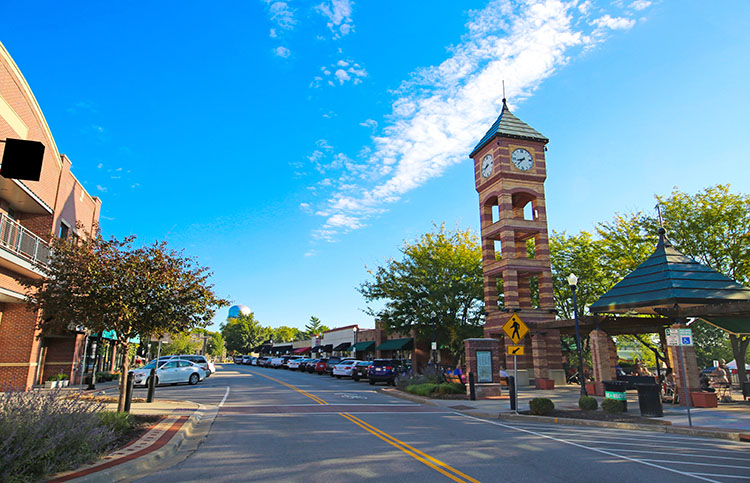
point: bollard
(151, 386)
(512, 389)
(128, 392)
(472, 390)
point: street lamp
(433, 347)
(573, 282)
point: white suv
(202, 361)
(276, 362)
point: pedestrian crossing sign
(515, 350)
(515, 328)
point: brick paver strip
(164, 439)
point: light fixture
(572, 280)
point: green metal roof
(733, 325)
(367, 345)
(509, 125)
(667, 278)
(396, 344)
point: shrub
(613, 406)
(588, 403)
(120, 423)
(451, 388)
(422, 389)
(541, 406)
(44, 432)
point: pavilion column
(603, 350)
(691, 367)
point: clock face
(487, 166)
(522, 159)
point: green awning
(112, 335)
(367, 345)
(396, 344)
(733, 325)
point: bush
(120, 423)
(44, 432)
(613, 406)
(451, 388)
(541, 406)
(588, 403)
(422, 389)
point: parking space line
(724, 476)
(433, 463)
(223, 400)
(597, 450)
(691, 455)
(695, 463)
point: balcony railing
(17, 239)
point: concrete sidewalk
(728, 417)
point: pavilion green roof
(668, 278)
(509, 125)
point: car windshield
(382, 363)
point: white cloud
(613, 23)
(100, 165)
(371, 123)
(282, 15)
(339, 16)
(282, 52)
(439, 115)
(101, 188)
(640, 4)
(340, 73)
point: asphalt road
(279, 425)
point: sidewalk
(731, 418)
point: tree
(442, 273)
(215, 345)
(314, 327)
(182, 343)
(242, 333)
(113, 285)
(285, 334)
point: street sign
(515, 328)
(434, 346)
(679, 337)
(515, 350)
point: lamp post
(573, 282)
(433, 347)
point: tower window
(64, 230)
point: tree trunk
(124, 367)
(739, 348)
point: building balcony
(20, 249)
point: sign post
(678, 338)
(516, 330)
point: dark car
(310, 366)
(330, 363)
(384, 370)
(238, 359)
(320, 366)
(262, 361)
(360, 370)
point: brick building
(31, 212)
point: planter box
(545, 383)
(63, 383)
(704, 399)
(50, 384)
(591, 389)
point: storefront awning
(317, 348)
(343, 346)
(367, 345)
(326, 348)
(282, 349)
(396, 344)
(302, 350)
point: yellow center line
(301, 391)
(410, 450)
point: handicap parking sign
(686, 341)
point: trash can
(616, 390)
(649, 400)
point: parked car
(262, 361)
(384, 370)
(171, 371)
(332, 361)
(254, 362)
(360, 370)
(246, 360)
(310, 365)
(202, 361)
(345, 368)
(288, 359)
(237, 359)
(295, 363)
(320, 366)
(276, 362)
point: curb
(661, 427)
(186, 440)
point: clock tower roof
(509, 125)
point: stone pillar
(692, 370)
(602, 352)
(483, 389)
(539, 353)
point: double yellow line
(418, 455)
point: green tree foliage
(440, 273)
(314, 327)
(182, 343)
(242, 333)
(285, 334)
(215, 345)
(109, 284)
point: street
(278, 425)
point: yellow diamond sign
(515, 350)
(515, 328)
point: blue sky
(290, 144)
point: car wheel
(194, 378)
(372, 383)
(148, 381)
(355, 378)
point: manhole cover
(348, 395)
(461, 407)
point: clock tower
(510, 170)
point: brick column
(602, 348)
(539, 353)
(691, 367)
